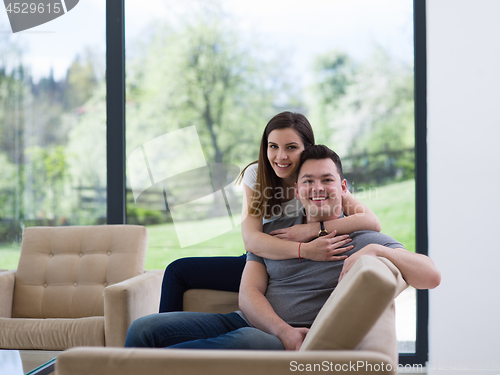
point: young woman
(269, 194)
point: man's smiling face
(320, 189)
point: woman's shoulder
(250, 175)
(252, 168)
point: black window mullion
(115, 112)
(420, 79)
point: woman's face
(284, 147)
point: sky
(299, 29)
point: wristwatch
(322, 231)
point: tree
(86, 159)
(200, 73)
(366, 107)
(46, 175)
(81, 82)
(14, 94)
(334, 73)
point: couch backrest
(360, 311)
(63, 271)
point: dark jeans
(220, 273)
(194, 330)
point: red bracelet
(300, 258)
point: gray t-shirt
(298, 289)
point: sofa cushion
(51, 334)
(357, 303)
(210, 301)
(63, 271)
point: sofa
(354, 331)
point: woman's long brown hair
(265, 195)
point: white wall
(463, 96)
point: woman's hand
(292, 338)
(297, 233)
(327, 248)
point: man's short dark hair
(318, 152)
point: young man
(279, 299)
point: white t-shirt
(288, 209)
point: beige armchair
(354, 332)
(77, 286)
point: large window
(203, 79)
(52, 125)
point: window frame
(421, 354)
(116, 146)
(115, 112)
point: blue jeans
(194, 330)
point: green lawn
(394, 205)
(9, 255)
(163, 245)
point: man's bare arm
(418, 270)
(258, 310)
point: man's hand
(292, 338)
(349, 262)
(327, 248)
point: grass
(9, 255)
(394, 205)
(164, 247)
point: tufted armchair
(76, 286)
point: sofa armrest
(7, 282)
(128, 300)
(128, 361)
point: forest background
(206, 72)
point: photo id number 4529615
(33, 8)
